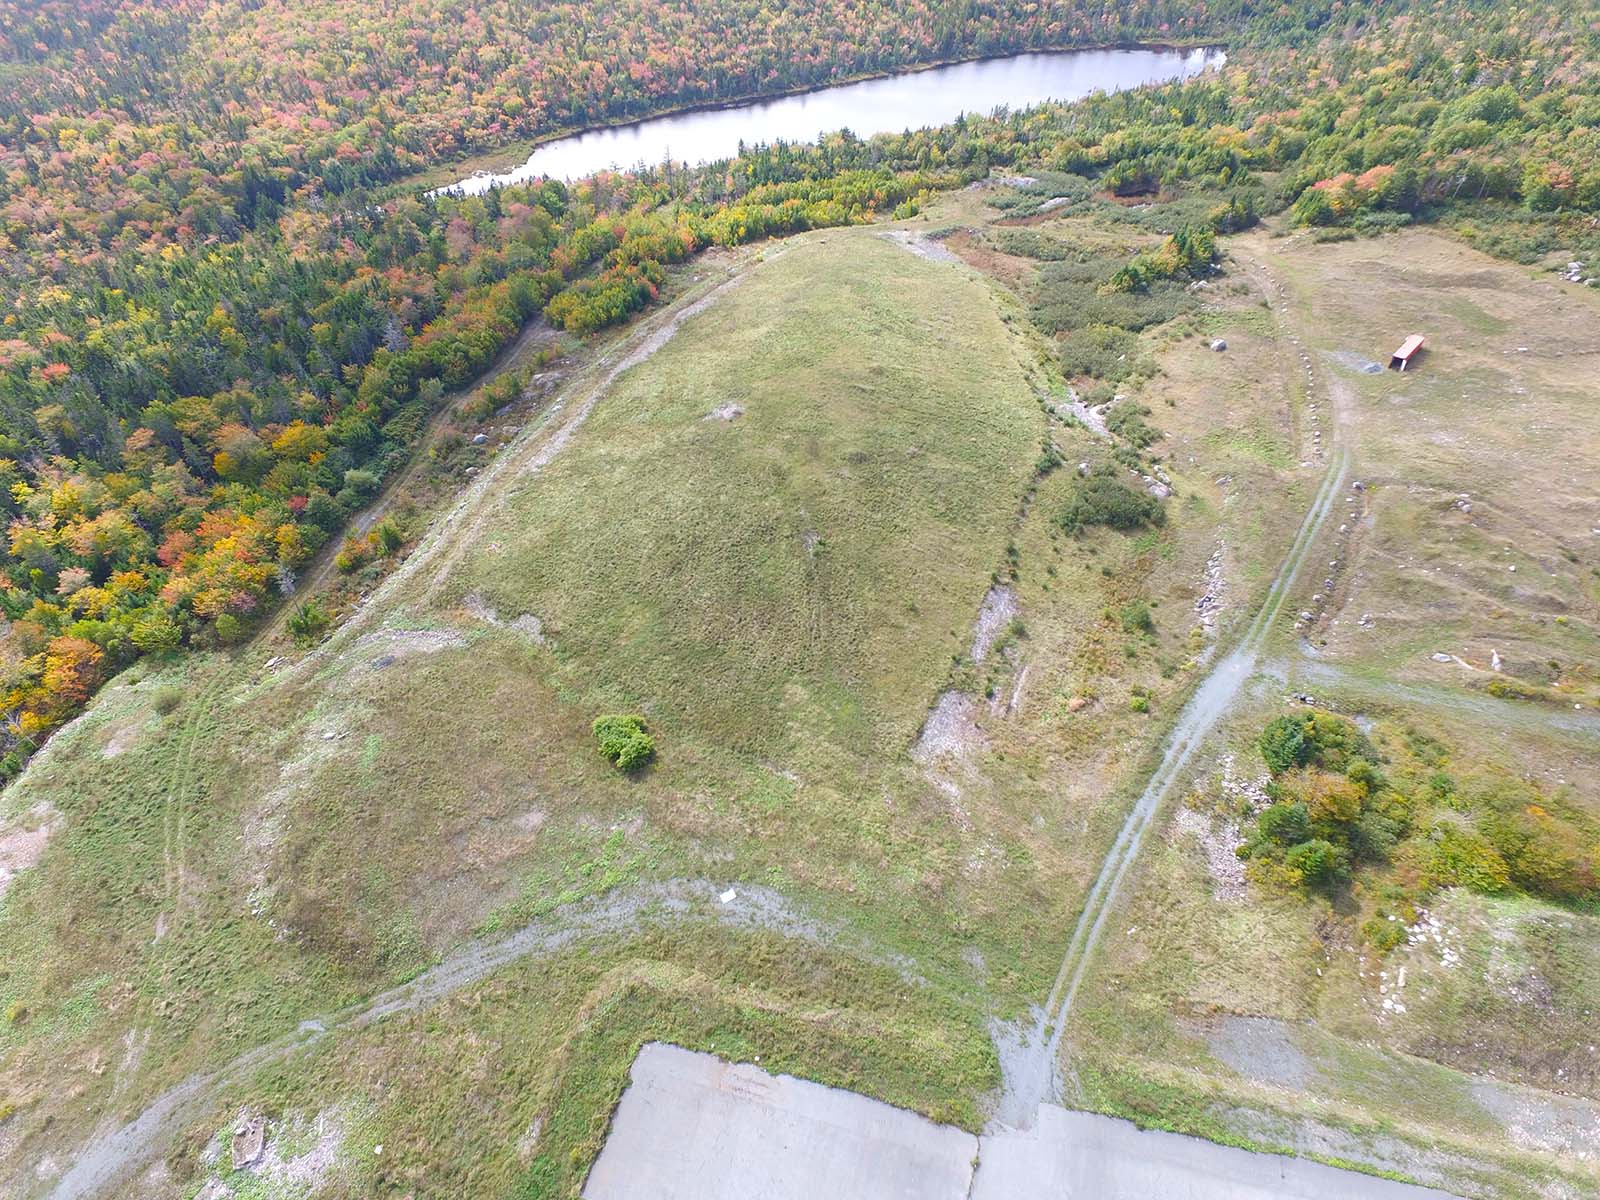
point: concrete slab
(1083, 1156)
(692, 1127)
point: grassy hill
(769, 537)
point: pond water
(911, 101)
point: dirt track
(108, 1163)
(1031, 1062)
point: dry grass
(1420, 1088)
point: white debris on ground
(293, 1157)
(1250, 794)
(1092, 419)
(950, 730)
(1428, 932)
(998, 610)
(1391, 991)
(1573, 273)
(1158, 485)
(526, 624)
(1209, 605)
(1219, 841)
(1219, 837)
(22, 847)
(922, 245)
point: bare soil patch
(22, 847)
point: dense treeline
(224, 325)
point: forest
(228, 315)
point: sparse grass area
(1269, 1018)
(508, 1090)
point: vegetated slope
(800, 500)
(778, 590)
(224, 328)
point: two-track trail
(1032, 1078)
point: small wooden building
(1407, 352)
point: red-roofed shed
(1407, 352)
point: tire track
(107, 1164)
(1032, 1081)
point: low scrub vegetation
(1405, 826)
(1102, 499)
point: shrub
(1318, 739)
(1318, 861)
(309, 621)
(1103, 500)
(1101, 351)
(1543, 853)
(1331, 800)
(1286, 822)
(1453, 856)
(167, 698)
(1127, 421)
(1283, 745)
(624, 741)
(1383, 933)
(388, 537)
(157, 634)
(1135, 617)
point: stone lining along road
(692, 1127)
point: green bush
(1453, 856)
(1382, 933)
(308, 622)
(624, 741)
(1318, 861)
(1104, 500)
(1322, 740)
(1102, 351)
(1283, 745)
(1544, 853)
(388, 537)
(1135, 617)
(1286, 822)
(1127, 420)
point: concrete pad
(1083, 1156)
(692, 1127)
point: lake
(914, 100)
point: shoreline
(513, 155)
